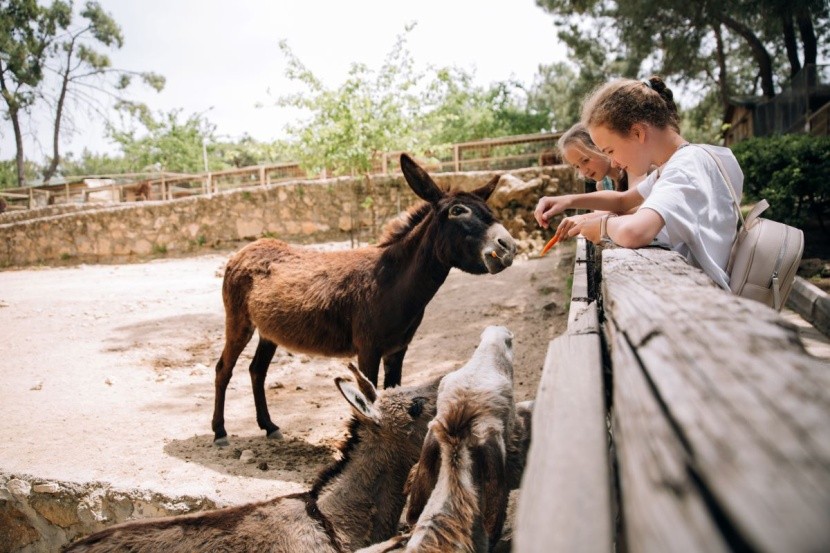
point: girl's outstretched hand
(548, 206)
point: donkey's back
(242, 528)
(301, 299)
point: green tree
(26, 32)
(164, 142)
(456, 110)
(85, 72)
(91, 163)
(371, 112)
(730, 47)
(248, 151)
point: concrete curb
(812, 303)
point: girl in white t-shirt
(685, 204)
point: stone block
(16, 532)
(59, 510)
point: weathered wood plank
(662, 506)
(565, 502)
(745, 403)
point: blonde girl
(684, 204)
(579, 151)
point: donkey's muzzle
(499, 250)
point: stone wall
(298, 211)
(38, 515)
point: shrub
(792, 172)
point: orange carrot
(551, 243)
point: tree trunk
(790, 43)
(56, 156)
(14, 115)
(808, 36)
(759, 52)
(723, 84)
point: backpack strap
(731, 188)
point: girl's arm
(629, 231)
(603, 200)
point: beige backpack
(765, 254)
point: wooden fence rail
(510, 152)
(720, 423)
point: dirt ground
(107, 373)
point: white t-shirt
(692, 197)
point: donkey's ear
(363, 409)
(485, 191)
(423, 476)
(419, 181)
(364, 384)
(518, 444)
(490, 474)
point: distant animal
(367, 301)
(459, 492)
(355, 502)
(142, 191)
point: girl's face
(589, 164)
(626, 151)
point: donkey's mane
(400, 226)
(345, 449)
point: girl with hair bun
(685, 204)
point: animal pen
(674, 416)
(509, 152)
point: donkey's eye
(416, 407)
(459, 210)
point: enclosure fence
(506, 153)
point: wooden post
(455, 157)
(66, 189)
(262, 175)
(31, 197)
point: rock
(37, 385)
(19, 488)
(46, 487)
(512, 190)
(247, 456)
(17, 532)
(61, 511)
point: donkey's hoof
(275, 435)
(221, 442)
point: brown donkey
(366, 302)
(355, 502)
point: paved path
(814, 341)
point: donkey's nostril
(504, 244)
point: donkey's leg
(392, 369)
(259, 369)
(368, 361)
(238, 333)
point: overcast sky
(223, 56)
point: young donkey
(460, 487)
(367, 301)
(355, 502)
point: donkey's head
(468, 236)
(396, 415)
(385, 438)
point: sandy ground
(107, 373)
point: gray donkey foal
(355, 502)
